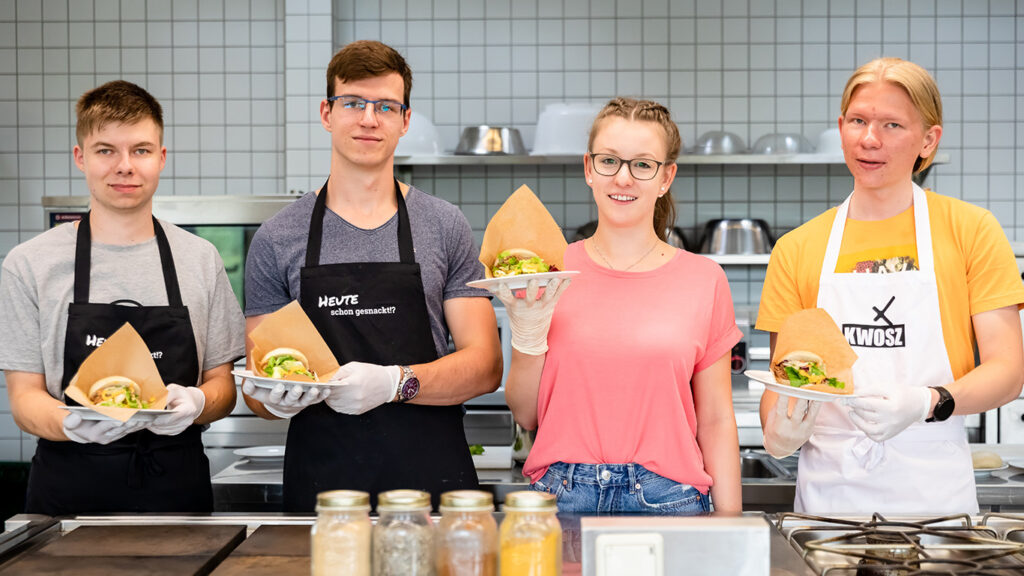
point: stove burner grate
(947, 545)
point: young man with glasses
(401, 259)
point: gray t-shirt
(442, 240)
(37, 284)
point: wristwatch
(408, 385)
(944, 407)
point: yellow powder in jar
(531, 557)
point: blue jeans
(618, 488)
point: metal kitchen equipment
(719, 142)
(696, 546)
(490, 140)
(889, 545)
(782, 144)
(736, 236)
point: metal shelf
(685, 159)
(740, 259)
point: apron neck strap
(83, 261)
(316, 229)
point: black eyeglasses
(639, 168)
(388, 108)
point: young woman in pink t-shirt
(627, 381)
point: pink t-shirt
(622, 349)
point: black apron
(393, 445)
(142, 472)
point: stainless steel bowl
(782, 144)
(718, 142)
(736, 236)
(490, 140)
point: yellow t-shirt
(975, 267)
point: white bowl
(829, 142)
(422, 139)
(563, 128)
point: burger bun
(284, 351)
(103, 383)
(800, 356)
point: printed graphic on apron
(876, 335)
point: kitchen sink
(759, 465)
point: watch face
(410, 388)
(943, 411)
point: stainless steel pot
(490, 140)
(736, 236)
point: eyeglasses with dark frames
(387, 108)
(639, 168)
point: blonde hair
(647, 111)
(913, 79)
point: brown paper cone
(523, 222)
(813, 330)
(123, 354)
(290, 327)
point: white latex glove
(187, 402)
(882, 417)
(530, 317)
(363, 387)
(283, 402)
(98, 431)
(783, 433)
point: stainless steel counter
(27, 534)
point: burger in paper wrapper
(811, 353)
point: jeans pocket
(550, 482)
(664, 496)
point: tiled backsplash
(240, 81)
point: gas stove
(991, 545)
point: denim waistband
(603, 475)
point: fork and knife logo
(881, 335)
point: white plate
(768, 379)
(518, 282)
(983, 472)
(261, 453)
(144, 415)
(1016, 463)
(266, 382)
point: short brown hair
(647, 111)
(368, 59)
(913, 79)
(116, 101)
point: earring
(662, 188)
(590, 181)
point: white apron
(893, 323)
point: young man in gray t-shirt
(381, 271)
(65, 291)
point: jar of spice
(467, 538)
(403, 539)
(531, 536)
(341, 534)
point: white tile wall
(241, 81)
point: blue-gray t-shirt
(442, 239)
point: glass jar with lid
(403, 539)
(467, 536)
(530, 535)
(341, 534)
